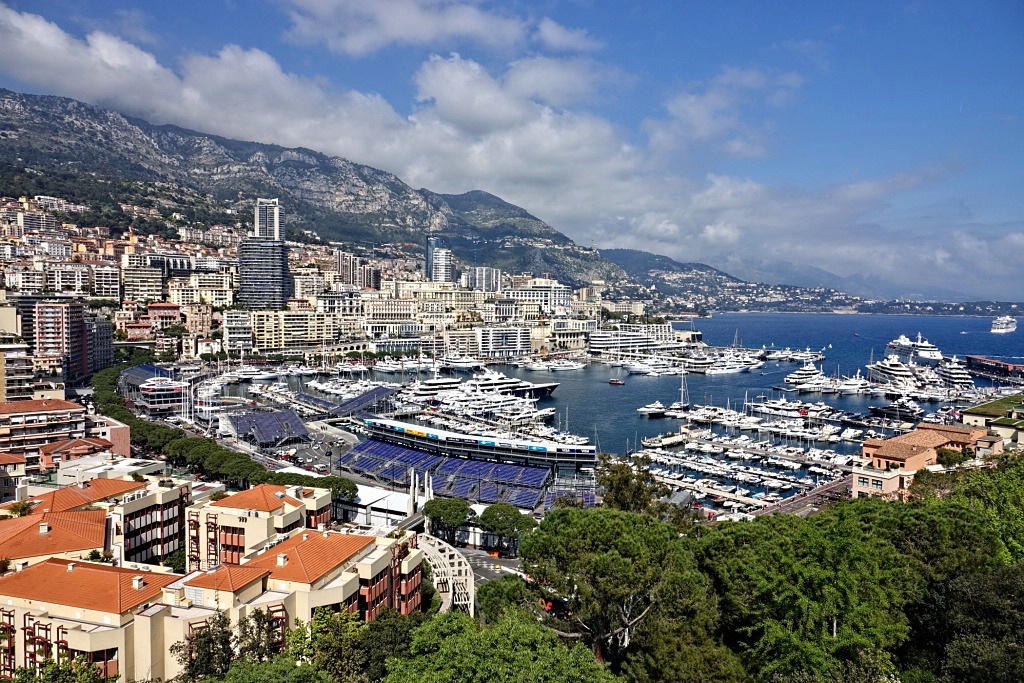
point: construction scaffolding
(8, 633)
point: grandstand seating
(269, 428)
(475, 480)
(361, 402)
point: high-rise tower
(428, 264)
(267, 221)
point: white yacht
(914, 351)
(890, 370)
(954, 374)
(807, 372)
(854, 385)
(565, 364)
(656, 409)
(1004, 324)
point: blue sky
(881, 139)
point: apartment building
(892, 463)
(12, 472)
(59, 330)
(17, 375)
(68, 277)
(214, 289)
(280, 330)
(163, 315)
(226, 530)
(28, 425)
(238, 331)
(198, 318)
(106, 280)
(144, 516)
(130, 616)
(142, 283)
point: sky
(883, 139)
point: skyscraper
(264, 282)
(428, 264)
(442, 266)
(267, 221)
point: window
(876, 484)
(862, 482)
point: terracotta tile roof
(962, 430)
(894, 450)
(11, 459)
(311, 557)
(20, 537)
(88, 586)
(89, 444)
(228, 577)
(71, 497)
(38, 406)
(262, 498)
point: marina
(750, 437)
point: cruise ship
(1004, 324)
(920, 351)
(954, 374)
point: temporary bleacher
(269, 428)
(484, 482)
(580, 498)
(361, 402)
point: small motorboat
(616, 381)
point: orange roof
(11, 459)
(262, 498)
(21, 537)
(80, 495)
(88, 586)
(38, 406)
(228, 577)
(88, 444)
(311, 557)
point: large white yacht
(919, 351)
(854, 385)
(890, 370)
(1004, 324)
(807, 372)
(954, 374)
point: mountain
(332, 197)
(799, 275)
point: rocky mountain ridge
(333, 197)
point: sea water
(588, 405)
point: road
(809, 502)
(487, 568)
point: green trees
(332, 643)
(446, 515)
(507, 523)
(78, 670)
(452, 648)
(628, 489)
(612, 568)
(206, 652)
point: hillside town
(133, 463)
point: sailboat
(677, 408)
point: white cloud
(556, 37)
(359, 27)
(715, 112)
(516, 133)
(558, 82)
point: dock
(690, 485)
